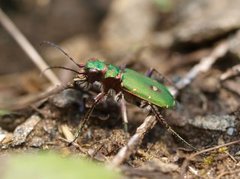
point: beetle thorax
(111, 83)
(112, 78)
(108, 75)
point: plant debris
(193, 44)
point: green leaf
(4, 112)
(52, 166)
(164, 5)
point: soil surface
(194, 45)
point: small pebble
(231, 131)
(22, 131)
(213, 122)
(36, 142)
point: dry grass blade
(186, 162)
(27, 47)
(30, 100)
(234, 71)
(214, 148)
(227, 173)
(204, 65)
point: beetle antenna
(65, 53)
(60, 67)
(169, 128)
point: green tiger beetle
(128, 84)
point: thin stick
(186, 162)
(232, 72)
(74, 144)
(204, 65)
(125, 152)
(26, 101)
(214, 148)
(228, 173)
(27, 47)
(136, 139)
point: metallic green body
(134, 83)
(147, 89)
(96, 65)
(112, 71)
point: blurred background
(172, 36)
(108, 29)
(141, 33)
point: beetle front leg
(87, 115)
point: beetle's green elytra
(147, 89)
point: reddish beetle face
(95, 70)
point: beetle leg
(149, 72)
(169, 128)
(87, 115)
(124, 113)
(120, 98)
(122, 67)
(160, 77)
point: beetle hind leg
(169, 128)
(124, 112)
(119, 97)
(159, 77)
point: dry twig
(186, 162)
(74, 144)
(234, 71)
(134, 141)
(27, 47)
(232, 86)
(227, 173)
(204, 65)
(29, 100)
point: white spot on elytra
(154, 88)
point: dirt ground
(193, 44)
